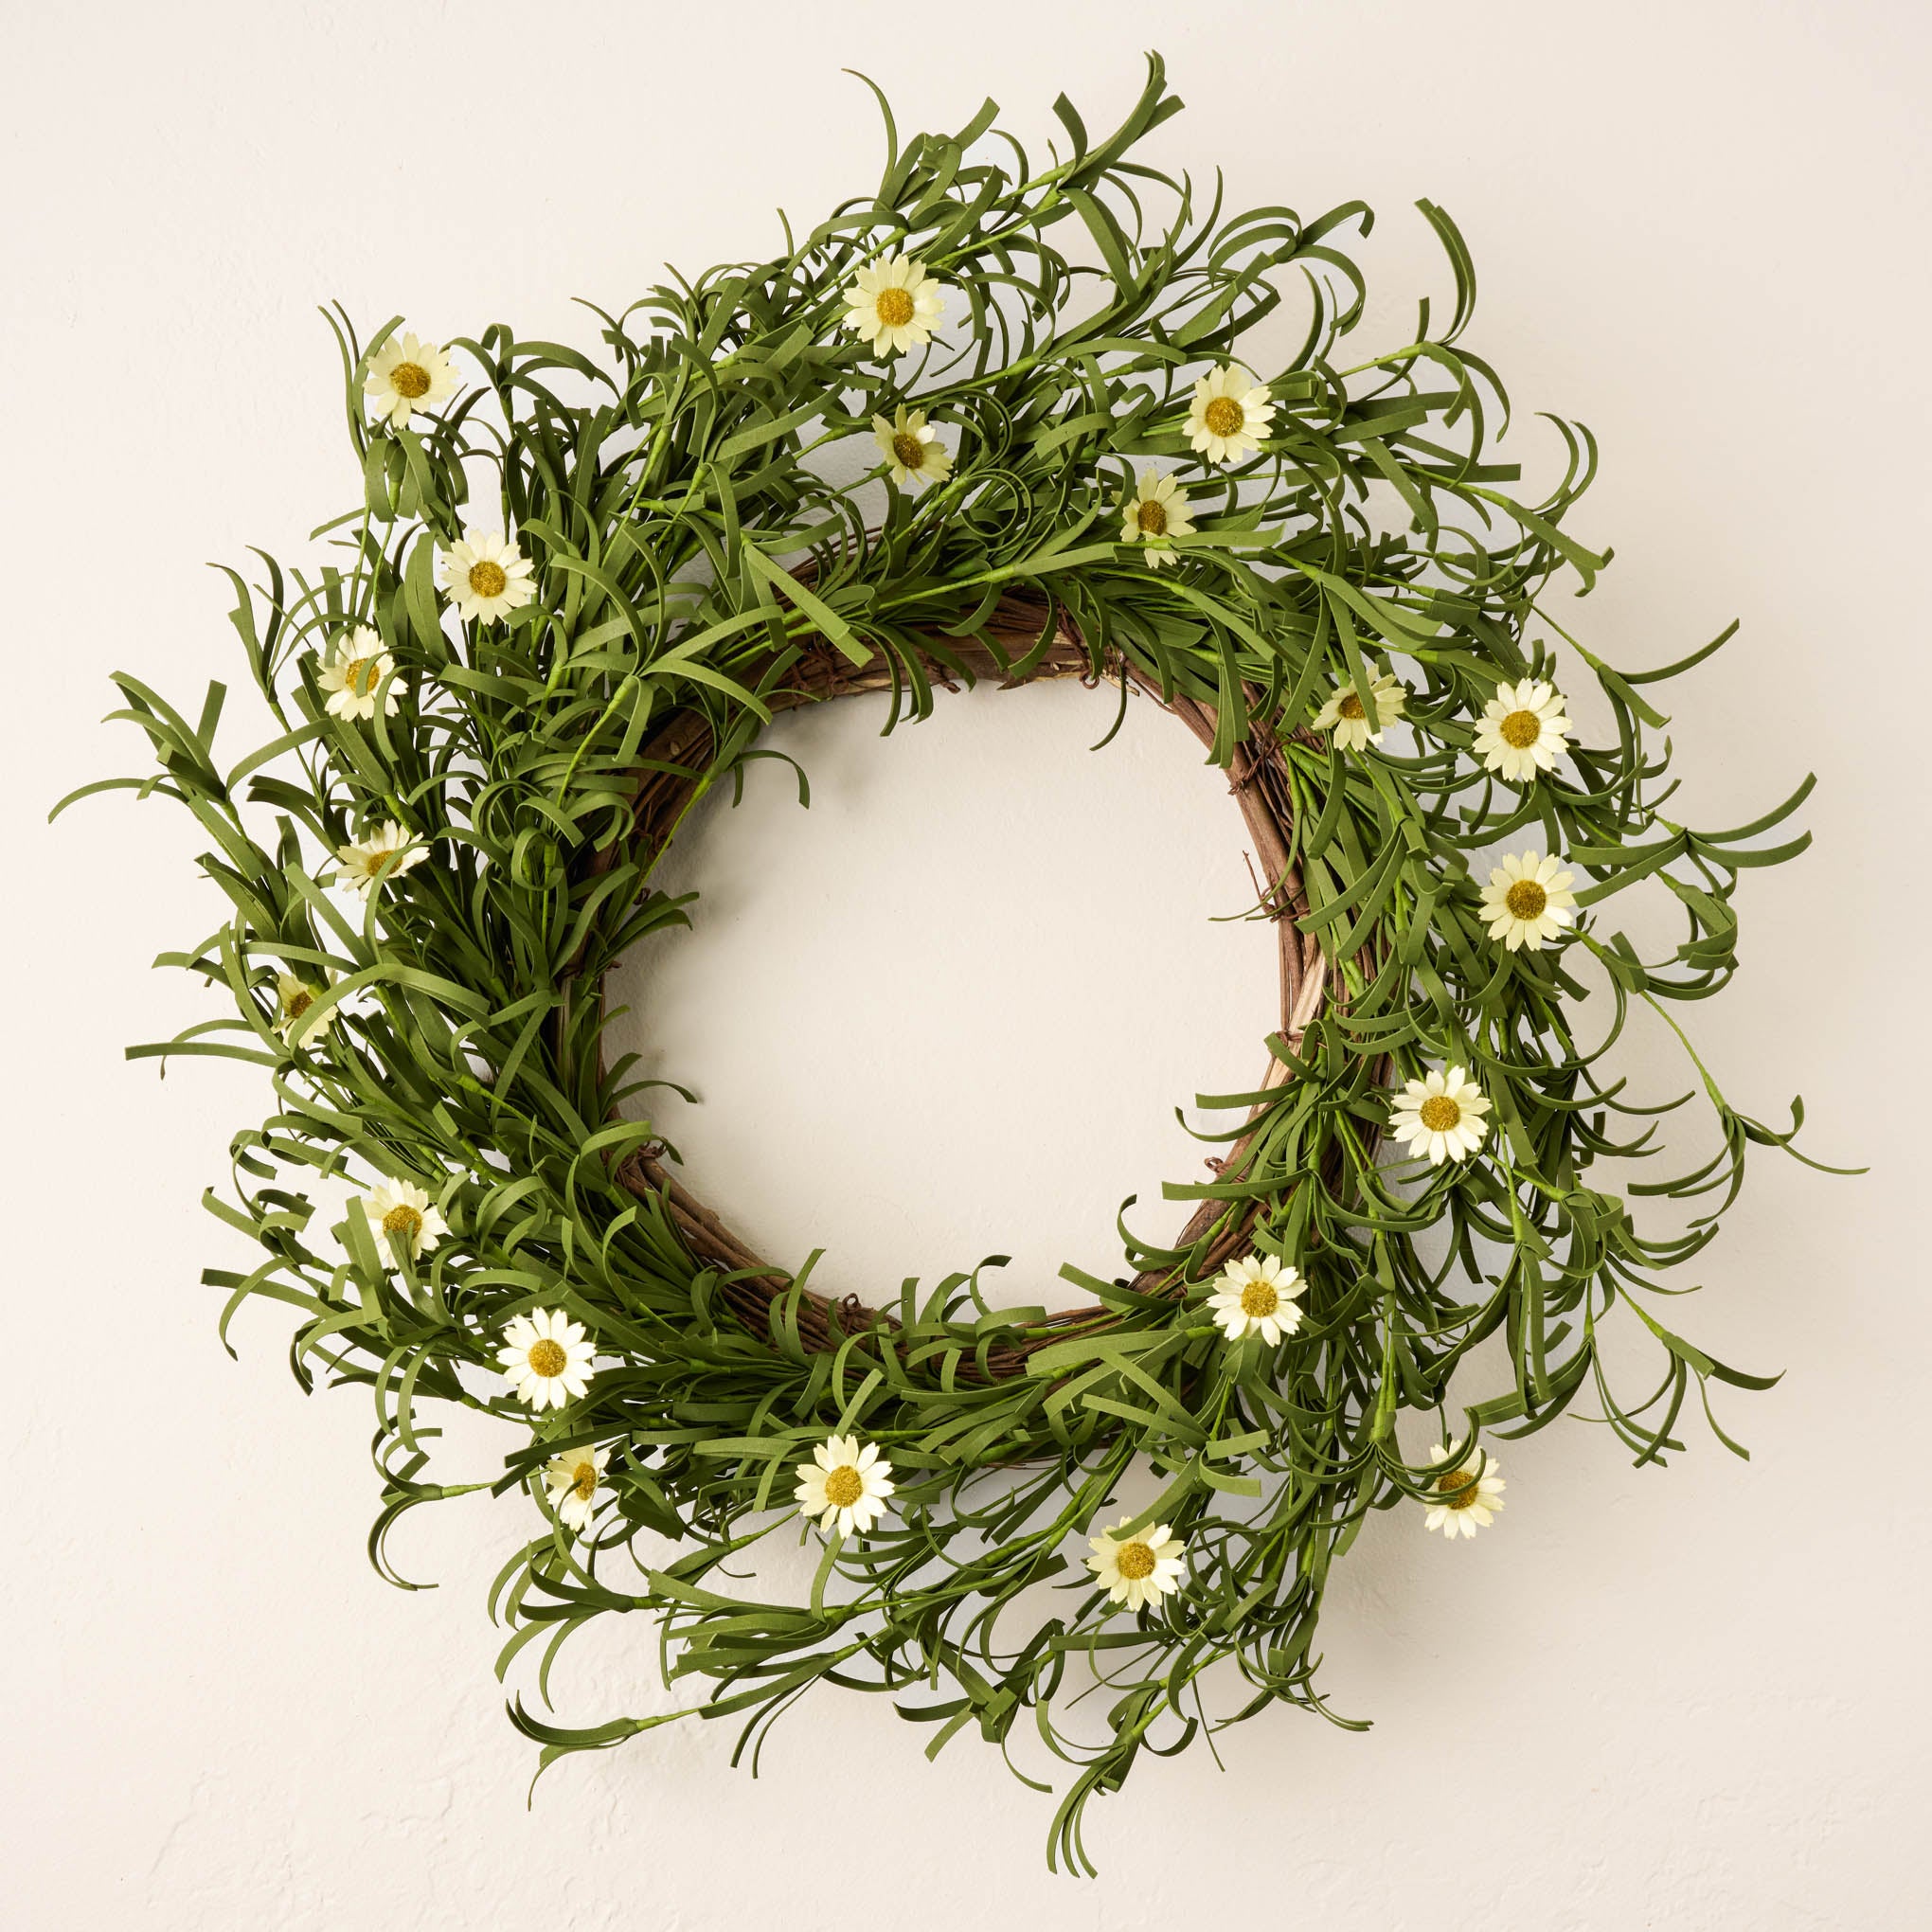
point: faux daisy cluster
(893, 305)
(485, 575)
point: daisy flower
(1465, 1501)
(913, 448)
(1353, 728)
(399, 1211)
(1153, 514)
(1257, 1296)
(292, 999)
(891, 305)
(1133, 1569)
(1523, 729)
(1229, 417)
(572, 1480)
(1441, 1117)
(353, 671)
(487, 576)
(406, 375)
(363, 859)
(844, 1484)
(545, 1357)
(1528, 900)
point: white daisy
(844, 1484)
(891, 305)
(364, 860)
(1257, 1296)
(487, 576)
(572, 1480)
(406, 375)
(400, 1215)
(913, 448)
(292, 999)
(1153, 514)
(1133, 1569)
(1466, 1501)
(1352, 726)
(1441, 1117)
(1231, 415)
(1528, 900)
(546, 1357)
(1523, 729)
(353, 673)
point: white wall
(1679, 1699)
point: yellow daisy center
(1439, 1113)
(894, 307)
(1521, 729)
(1526, 899)
(1350, 707)
(583, 1486)
(1258, 1300)
(409, 379)
(844, 1486)
(360, 675)
(1151, 517)
(403, 1220)
(1224, 415)
(910, 449)
(1134, 1561)
(487, 579)
(547, 1357)
(1458, 1489)
(297, 1003)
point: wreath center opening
(950, 1011)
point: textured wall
(1676, 1699)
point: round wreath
(576, 588)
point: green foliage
(666, 490)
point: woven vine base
(680, 753)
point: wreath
(576, 589)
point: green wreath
(452, 834)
